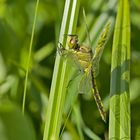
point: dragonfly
(87, 61)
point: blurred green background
(16, 19)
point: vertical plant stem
(29, 58)
(61, 74)
(119, 121)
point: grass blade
(29, 58)
(60, 75)
(119, 121)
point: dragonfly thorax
(84, 56)
(82, 53)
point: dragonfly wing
(85, 85)
(100, 47)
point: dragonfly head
(72, 41)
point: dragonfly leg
(60, 48)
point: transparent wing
(85, 85)
(101, 43)
(100, 47)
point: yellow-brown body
(84, 56)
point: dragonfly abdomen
(97, 97)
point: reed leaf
(60, 75)
(119, 117)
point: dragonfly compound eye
(72, 42)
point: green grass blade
(60, 75)
(29, 58)
(86, 27)
(119, 121)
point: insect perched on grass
(87, 61)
